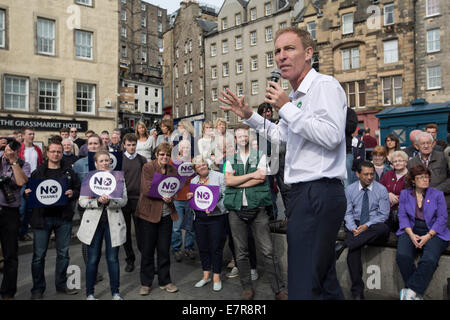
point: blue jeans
(418, 278)
(112, 259)
(351, 176)
(182, 208)
(63, 231)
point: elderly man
(413, 149)
(68, 154)
(433, 160)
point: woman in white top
(144, 141)
(205, 144)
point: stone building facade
(432, 39)
(368, 46)
(239, 54)
(58, 65)
(184, 60)
(141, 28)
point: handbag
(248, 215)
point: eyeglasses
(163, 154)
(425, 177)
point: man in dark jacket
(350, 127)
(53, 218)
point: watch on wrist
(15, 163)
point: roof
(416, 108)
(206, 25)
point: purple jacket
(434, 210)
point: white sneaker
(233, 273)
(117, 297)
(91, 297)
(254, 274)
(407, 294)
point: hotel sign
(41, 124)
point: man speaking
(313, 126)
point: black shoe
(99, 278)
(129, 267)
(359, 296)
(339, 248)
(68, 291)
(37, 295)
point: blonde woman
(144, 142)
(205, 143)
(167, 131)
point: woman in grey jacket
(210, 226)
(103, 218)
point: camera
(11, 142)
(5, 186)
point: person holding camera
(14, 174)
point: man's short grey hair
(67, 139)
(424, 134)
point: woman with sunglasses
(155, 219)
(103, 219)
(422, 214)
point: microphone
(275, 75)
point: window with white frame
(143, 20)
(143, 37)
(225, 46)
(202, 106)
(282, 25)
(144, 55)
(224, 23)
(355, 92)
(347, 23)
(185, 89)
(392, 90)
(123, 32)
(434, 77)
(433, 40)
(85, 98)
(253, 38)
(284, 84)
(239, 66)
(269, 59)
(200, 40)
(190, 86)
(123, 15)
(239, 89)
(2, 28)
(269, 34)
(390, 51)
(45, 36)
(190, 66)
(16, 91)
(214, 94)
(213, 72)
(255, 87)
(254, 63)
(267, 8)
(389, 14)
(350, 58)
(252, 14)
(237, 19)
(213, 49)
(185, 109)
(238, 42)
(225, 69)
(432, 7)
(192, 108)
(83, 44)
(200, 83)
(85, 2)
(200, 62)
(311, 26)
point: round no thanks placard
(102, 182)
(203, 197)
(49, 192)
(168, 187)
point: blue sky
(173, 5)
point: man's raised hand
(235, 104)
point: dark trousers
(418, 278)
(9, 233)
(251, 244)
(210, 236)
(315, 211)
(355, 244)
(260, 228)
(128, 213)
(155, 236)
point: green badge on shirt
(299, 104)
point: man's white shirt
(313, 127)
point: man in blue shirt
(367, 210)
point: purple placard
(165, 186)
(97, 183)
(205, 197)
(184, 169)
